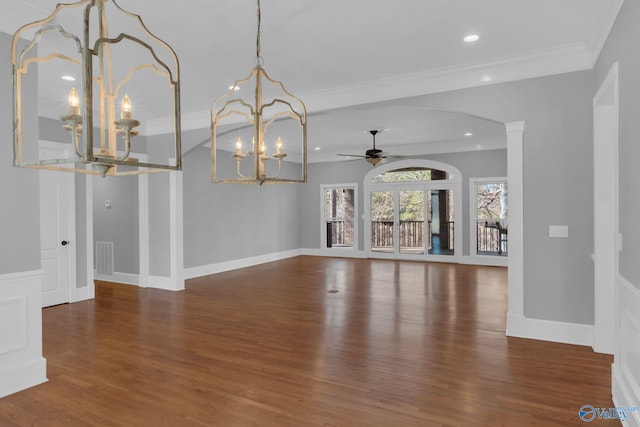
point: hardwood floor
(399, 344)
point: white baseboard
(82, 294)
(165, 283)
(125, 278)
(491, 261)
(625, 373)
(334, 253)
(21, 362)
(23, 376)
(352, 253)
(156, 282)
(548, 330)
(624, 396)
(205, 270)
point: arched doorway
(412, 208)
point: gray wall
(159, 213)
(223, 222)
(558, 170)
(81, 231)
(118, 224)
(477, 164)
(618, 48)
(19, 188)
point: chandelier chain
(259, 59)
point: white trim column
(515, 178)
(143, 229)
(176, 230)
(606, 238)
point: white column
(176, 230)
(606, 238)
(515, 177)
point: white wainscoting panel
(626, 367)
(21, 362)
(13, 324)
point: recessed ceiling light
(69, 78)
(468, 134)
(471, 38)
(317, 148)
(234, 87)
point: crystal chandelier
(258, 112)
(85, 41)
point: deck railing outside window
(493, 238)
(411, 234)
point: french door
(413, 221)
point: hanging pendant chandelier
(254, 127)
(116, 70)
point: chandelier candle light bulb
(74, 102)
(125, 107)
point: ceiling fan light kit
(374, 155)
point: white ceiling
(337, 55)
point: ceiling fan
(373, 155)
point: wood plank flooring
(399, 344)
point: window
(339, 216)
(411, 174)
(489, 215)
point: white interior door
(57, 206)
(55, 236)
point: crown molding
(603, 19)
(557, 60)
(562, 59)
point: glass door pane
(440, 222)
(411, 233)
(339, 217)
(382, 221)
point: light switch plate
(558, 231)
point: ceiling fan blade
(351, 155)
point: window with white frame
(489, 216)
(339, 225)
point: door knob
(64, 243)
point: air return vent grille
(104, 258)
